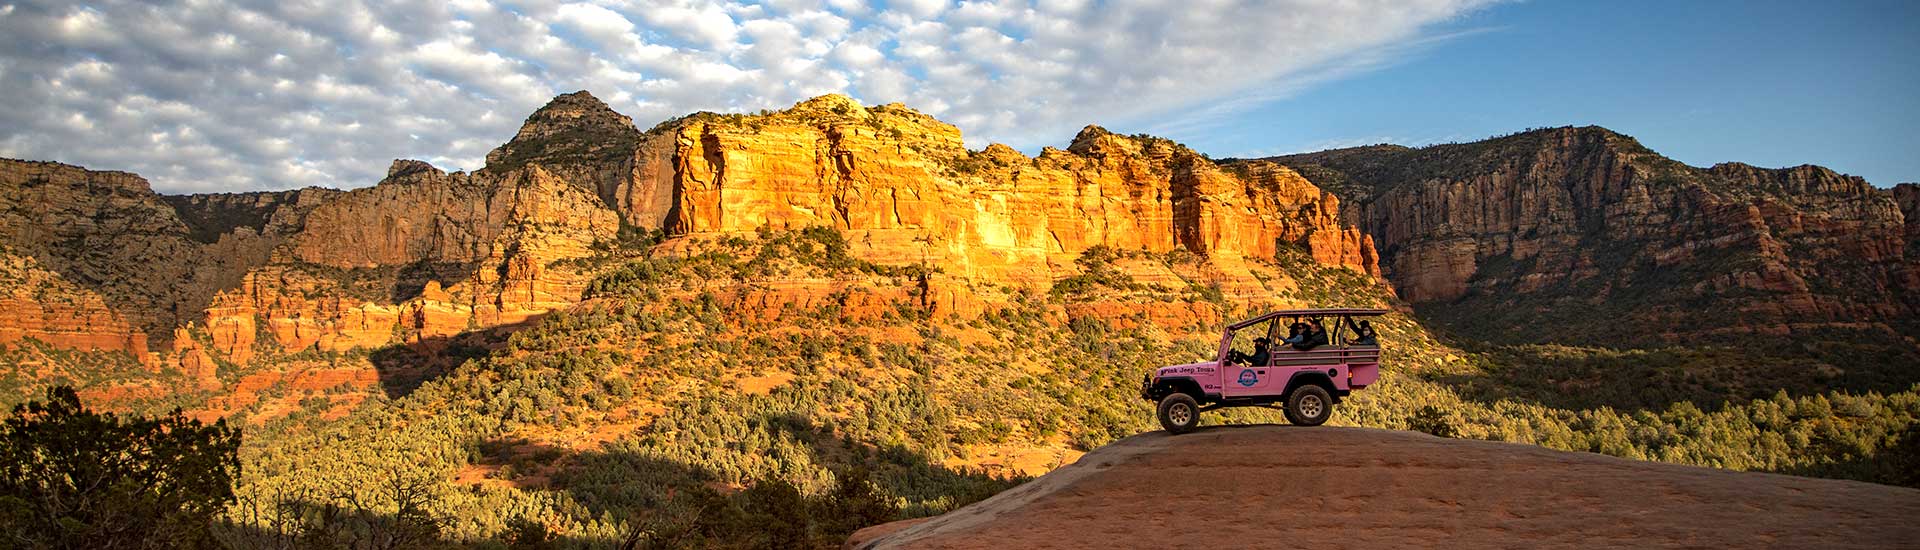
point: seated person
(1257, 358)
(1363, 335)
(1296, 333)
(1260, 353)
(1316, 336)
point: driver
(1260, 355)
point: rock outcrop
(1250, 486)
(906, 190)
(278, 213)
(40, 305)
(109, 233)
(1562, 225)
(426, 254)
(1908, 196)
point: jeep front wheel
(1309, 405)
(1179, 413)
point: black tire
(1179, 413)
(1309, 405)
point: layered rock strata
(1544, 224)
(426, 254)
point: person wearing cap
(1260, 352)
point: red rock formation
(426, 253)
(40, 305)
(906, 190)
(1908, 196)
(1523, 226)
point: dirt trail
(1271, 486)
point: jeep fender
(1168, 385)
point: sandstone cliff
(278, 213)
(41, 305)
(906, 190)
(422, 254)
(1564, 224)
(427, 254)
(110, 233)
(1908, 195)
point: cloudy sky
(214, 95)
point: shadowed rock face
(426, 254)
(1262, 486)
(109, 233)
(1908, 195)
(1559, 225)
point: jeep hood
(1180, 370)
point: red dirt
(1271, 486)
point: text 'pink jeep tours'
(1303, 365)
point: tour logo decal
(1248, 378)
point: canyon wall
(905, 189)
(427, 254)
(1554, 224)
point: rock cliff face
(423, 254)
(427, 254)
(279, 213)
(107, 232)
(1564, 224)
(1908, 196)
(41, 305)
(906, 190)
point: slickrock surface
(1281, 486)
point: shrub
(71, 477)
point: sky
(218, 96)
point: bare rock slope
(1266, 486)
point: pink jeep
(1256, 367)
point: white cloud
(211, 96)
(603, 25)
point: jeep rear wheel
(1309, 405)
(1179, 413)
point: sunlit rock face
(426, 254)
(1571, 218)
(156, 261)
(905, 188)
(42, 305)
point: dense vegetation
(75, 478)
(676, 409)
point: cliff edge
(1260, 486)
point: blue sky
(236, 95)
(1767, 83)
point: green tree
(75, 478)
(854, 503)
(778, 509)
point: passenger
(1363, 335)
(1316, 336)
(1296, 333)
